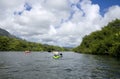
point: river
(41, 65)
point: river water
(41, 65)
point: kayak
(27, 51)
(56, 57)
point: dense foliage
(14, 44)
(104, 41)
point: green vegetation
(105, 41)
(15, 44)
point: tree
(104, 41)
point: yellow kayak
(56, 56)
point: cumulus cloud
(54, 22)
(111, 14)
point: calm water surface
(41, 65)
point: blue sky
(105, 4)
(27, 7)
(56, 22)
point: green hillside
(14, 44)
(9, 42)
(104, 41)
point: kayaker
(55, 53)
(27, 51)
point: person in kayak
(57, 55)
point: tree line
(15, 44)
(105, 41)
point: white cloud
(112, 13)
(57, 5)
(52, 30)
(56, 22)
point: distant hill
(5, 33)
(10, 42)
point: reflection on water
(41, 65)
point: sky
(56, 22)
